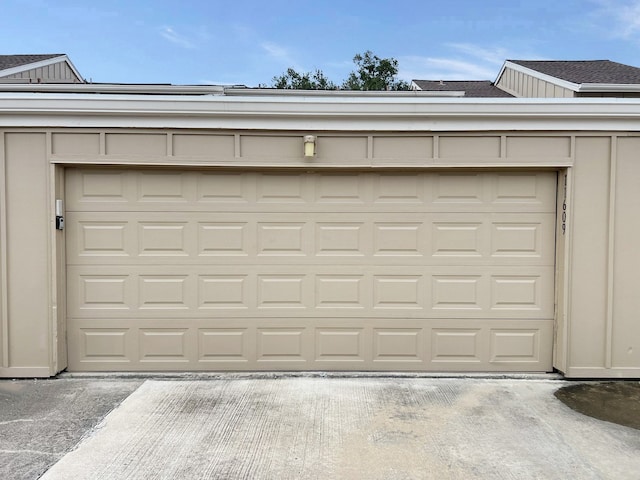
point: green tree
(303, 81)
(374, 73)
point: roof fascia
(286, 92)
(609, 87)
(73, 68)
(504, 66)
(382, 114)
(541, 76)
(89, 88)
(42, 63)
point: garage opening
(174, 270)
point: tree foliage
(372, 73)
(303, 81)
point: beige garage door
(202, 270)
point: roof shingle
(12, 61)
(471, 88)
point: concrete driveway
(349, 428)
(41, 420)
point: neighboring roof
(471, 88)
(585, 71)
(114, 88)
(12, 61)
(16, 64)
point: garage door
(206, 270)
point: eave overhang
(609, 88)
(316, 113)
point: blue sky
(249, 42)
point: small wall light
(309, 146)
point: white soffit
(326, 112)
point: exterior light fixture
(309, 146)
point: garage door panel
(328, 343)
(345, 189)
(265, 290)
(163, 187)
(524, 189)
(103, 188)
(230, 345)
(224, 188)
(153, 190)
(103, 344)
(400, 190)
(160, 345)
(207, 270)
(108, 237)
(100, 292)
(268, 238)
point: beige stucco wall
(522, 85)
(26, 313)
(597, 331)
(625, 256)
(604, 335)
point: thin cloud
(280, 54)
(495, 56)
(625, 15)
(220, 83)
(242, 32)
(430, 68)
(467, 62)
(342, 64)
(274, 50)
(631, 15)
(174, 37)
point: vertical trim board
(568, 254)
(613, 168)
(4, 316)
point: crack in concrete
(39, 452)
(18, 420)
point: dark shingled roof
(11, 61)
(471, 88)
(585, 71)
